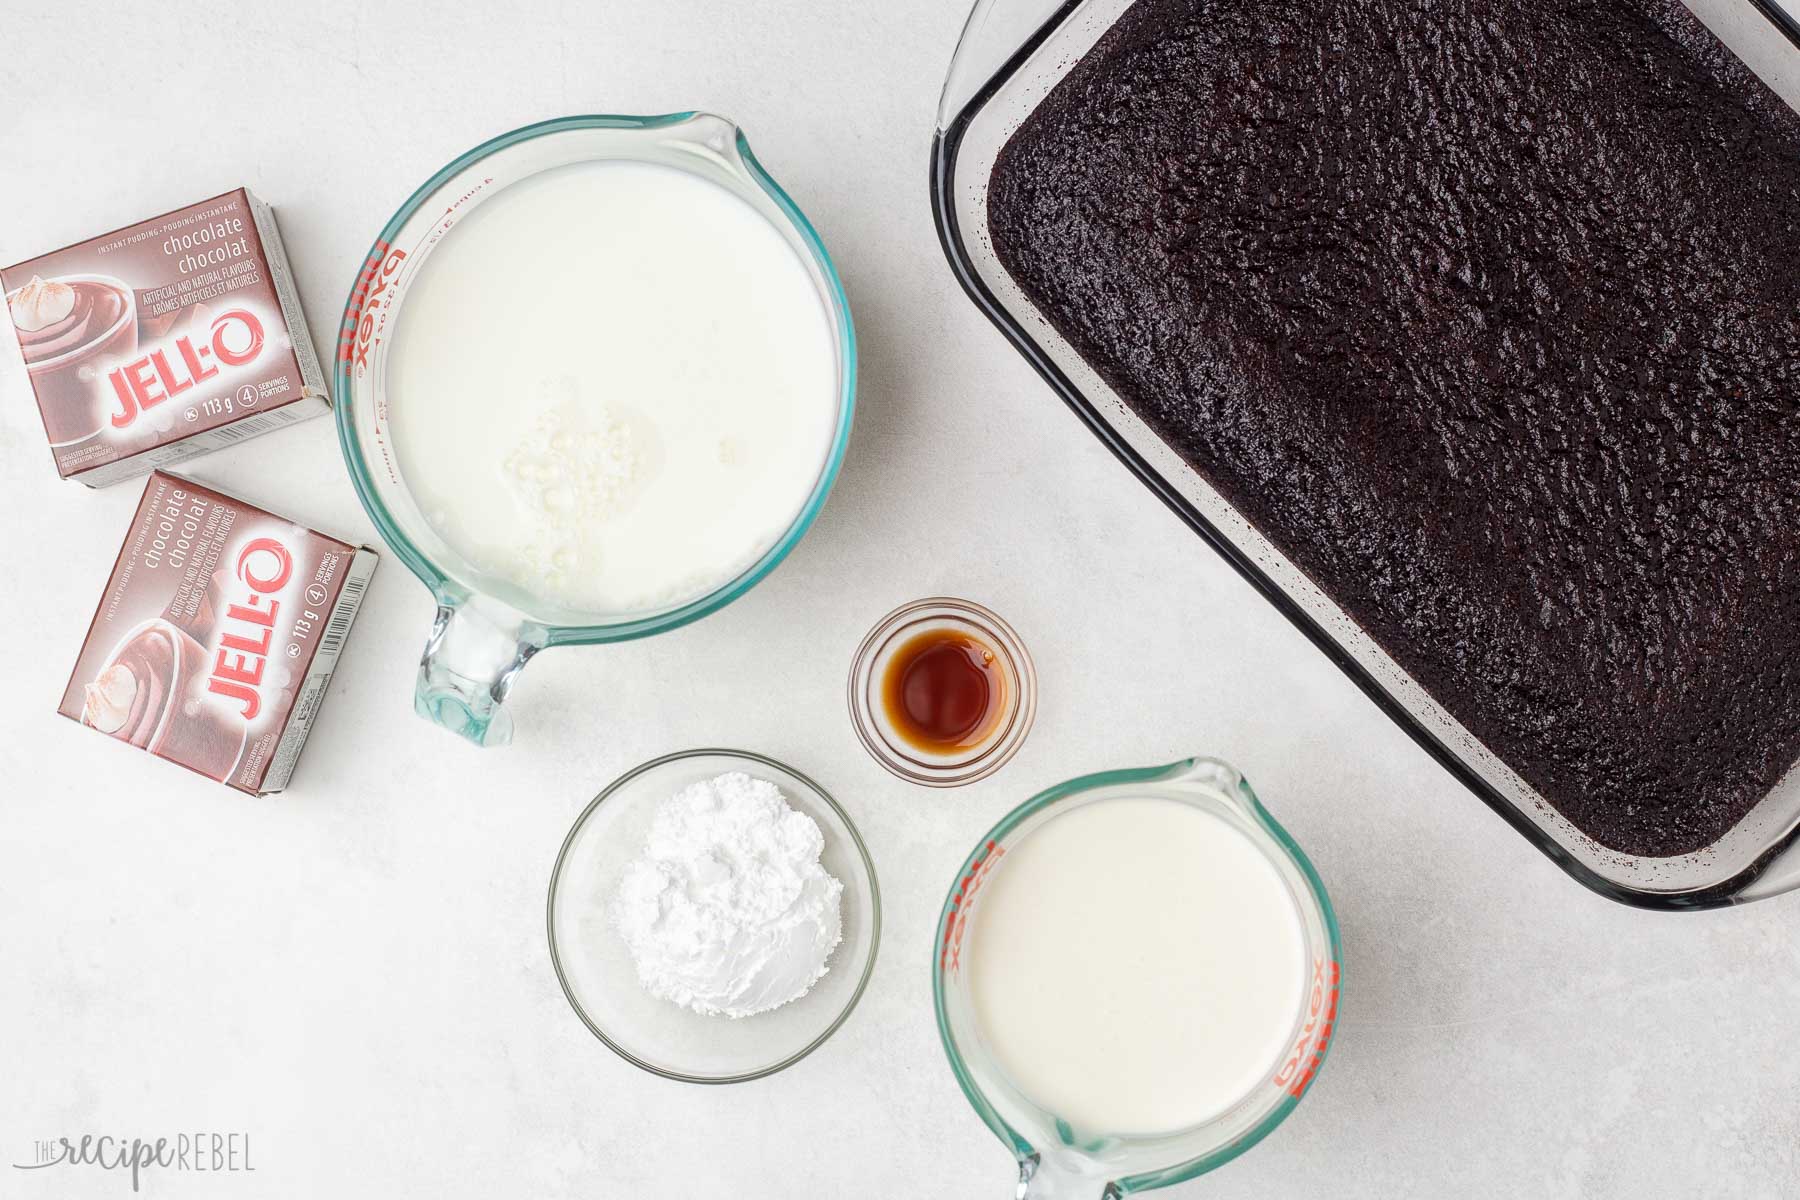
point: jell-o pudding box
(217, 635)
(163, 340)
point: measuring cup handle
(467, 670)
(1040, 1180)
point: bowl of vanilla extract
(942, 692)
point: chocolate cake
(1487, 313)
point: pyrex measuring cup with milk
(594, 381)
(1136, 980)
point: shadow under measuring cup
(1136, 979)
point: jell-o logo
(266, 566)
(236, 338)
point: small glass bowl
(595, 967)
(885, 743)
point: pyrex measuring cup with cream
(1136, 980)
(594, 381)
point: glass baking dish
(1011, 54)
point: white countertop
(355, 973)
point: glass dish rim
(449, 591)
(946, 144)
(1002, 749)
(856, 840)
(1025, 811)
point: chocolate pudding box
(217, 635)
(164, 340)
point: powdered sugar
(727, 911)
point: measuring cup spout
(468, 669)
(1042, 1180)
(1218, 779)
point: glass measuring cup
(1058, 1160)
(487, 628)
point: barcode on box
(344, 615)
(249, 427)
(318, 675)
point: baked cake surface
(1487, 313)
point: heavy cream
(1138, 965)
(612, 386)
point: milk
(1138, 965)
(612, 386)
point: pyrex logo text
(235, 339)
(1297, 1072)
(950, 956)
(356, 337)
